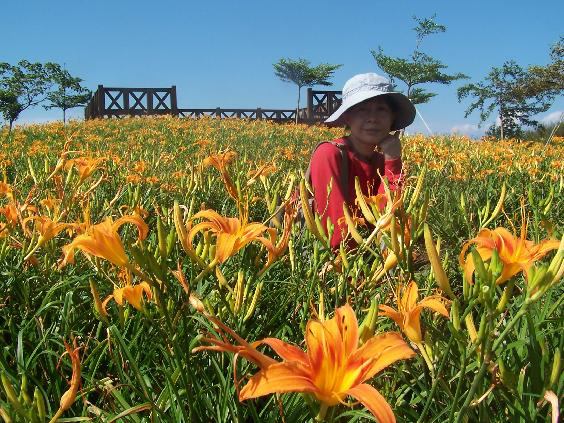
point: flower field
(171, 270)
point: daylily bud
(97, 302)
(482, 328)
(31, 170)
(5, 416)
(417, 191)
(391, 262)
(253, 305)
(292, 255)
(321, 307)
(360, 200)
(469, 320)
(343, 255)
(11, 395)
(196, 303)
(556, 367)
(466, 288)
(462, 203)
(307, 212)
(220, 277)
(200, 248)
(239, 291)
(39, 404)
(170, 241)
(455, 315)
(479, 265)
(24, 396)
(351, 226)
(368, 325)
(161, 238)
(438, 270)
(495, 267)
(505, 297)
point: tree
(68, 93)
(507, 89)
(22, 86)
(303, 75)
(419, 68)
(549, 78)
(10, 108)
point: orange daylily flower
(6, 190)
(517, 254)
(10, 211)
(276, 249)
(102, 240)
(133, 294)
(51, 203)
(407, 316)
(68, 398)
(220, 162)
(232, 234)
(47, 228)
(332, 368)
(84, 165)
(261, 172)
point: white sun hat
(368, 85)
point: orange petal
(381, 351)
(412, 325)
(387, 311)
(137, 221)
(280, 378)
(410, 296)
(374, 402)
(509, 270)
(287, 352)
(348, 327)
(435, 304)
(225, 246)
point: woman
(371, 110)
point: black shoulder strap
(344, 182)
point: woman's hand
(391, 146)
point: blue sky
(220, 53)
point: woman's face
(370, 121)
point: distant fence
(118, 102)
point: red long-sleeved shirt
(326, 164)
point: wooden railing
(117, 102)
(279, 115)
(322, 104)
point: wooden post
(149, 110)
(101, 109)
(259, 113)
(125, 93)
(173, 103)
(330, 103)
(218, 112)
(310, 103)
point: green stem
(177, 352)
(477, 380)
(427, 359)
(509, 326)
(436, 381)
(58, 414)
(459, 385)
(322, 412)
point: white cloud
(467, 129)
(553, 117)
